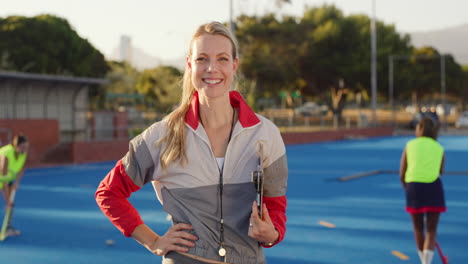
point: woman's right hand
(175, 239)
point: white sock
(428, 255)
(421, 256)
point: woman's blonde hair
(175, 136)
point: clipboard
(258, 180)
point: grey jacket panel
(200, 207)
(138, 162)
(276, 177)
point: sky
(163, 28)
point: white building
(125, 48)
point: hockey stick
(443, 257)
(6, 219)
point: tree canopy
(161, 86)
(319, 48)
(325, 54)
(322, 54)
(47, 44)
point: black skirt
(425, 197)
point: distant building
(27, 96)
(125, 48)
(139, 59)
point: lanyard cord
(221, 220)
(222, 251)
(221, 187)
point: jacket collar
(247, 116)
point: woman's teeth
(212, 81)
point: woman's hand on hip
(175, 239)
(262, 230)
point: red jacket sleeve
(277, 210)
(111, 196)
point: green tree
(120, 90)
(335, 57)
(47, 44)
(268, 53)
(161, 86)
(419, 75)
(464, 87)
(122, 78)
(325, 54)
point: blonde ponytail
(175, 136)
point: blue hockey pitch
(329, 222)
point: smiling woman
(212, 65)
(200, 160)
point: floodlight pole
(391, 92)
(231, 21)
(373, 66)
(443, 89)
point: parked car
(462, 120)
(311, 109)
(450, 109)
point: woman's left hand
(262, 230)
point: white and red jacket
(190, 193)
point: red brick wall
(42, 134)
(94, 151)
(331, 135)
